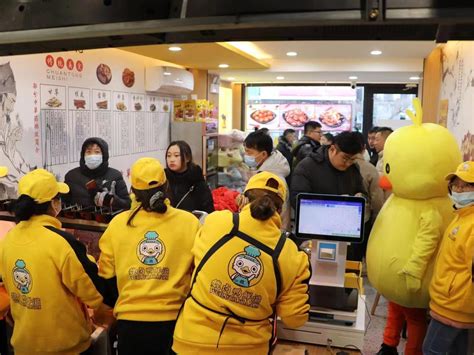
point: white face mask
(93, 161)
(462, 199)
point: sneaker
(387, 350)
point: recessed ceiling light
(280, 77)
(230, 78)
(167, 73)
(376, 52)
(415, 78)
(353, 77)
(223, 66)
(178, 81)
(291, 54)
(174, 49)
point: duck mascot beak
(385, 183)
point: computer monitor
(330, 217)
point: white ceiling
(334, 61)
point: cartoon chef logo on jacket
(246, 269)
(22, 277)
(151, 250)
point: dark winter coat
(77, 179)
(285, 149)
(304, 148)
(192, 181)
(316, 174)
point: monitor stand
(329, 299)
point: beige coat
(370, 177)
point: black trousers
(136, 338)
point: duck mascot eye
(404, 239)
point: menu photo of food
(337, 117)
(54, 102)
(122, 101)
(262, 115)
(128, 77)
(101, 100)
(104, 74)
(295, 115)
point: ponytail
(152, 200)
(25, 207)
(263, 203)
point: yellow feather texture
(417, 116)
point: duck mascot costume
(404, 240)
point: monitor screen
(330, 217)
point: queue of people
(178, 287)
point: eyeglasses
(348, 160)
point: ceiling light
(178, 81)
(376, 52)
(415, 78)
(167, 73)
(291, 54)
(280, 77)
(175, 49)
(353, 77)
(231, 78)
(223, 66)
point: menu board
(292, 107)
(53, 102)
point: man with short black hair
(260, 156)
(309, 143)
(379, 144)
(370, 143)
(330, 170)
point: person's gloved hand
(413, 284)
(105, 198)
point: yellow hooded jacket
(47, 274)
(239, 280)
(151, 260)
(452, 288)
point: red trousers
(416, 327)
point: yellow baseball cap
(262, 179)
(3, 171)
(147, 173)
(465, 172)
(41, 186)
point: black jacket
(316, 174)
(285, 148)
(78, 178)
(304, 148)
(192, 181)
(374, 156)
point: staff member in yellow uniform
(246, 271)
(146, 252)
(46, 272)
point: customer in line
(146, 255)
(452, 285)
(260, 156)
(309, 143)
(94, 183)
(189, 190)
(47, 273)
(330, 170)
(246, 274)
